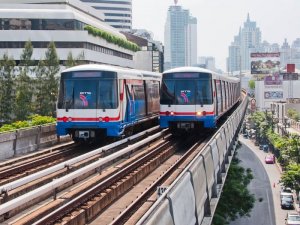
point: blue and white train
(195, 98)
(96, 101)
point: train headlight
(204, 113)
(199, 113)
(106, 119)
(70, 119)
(167, 113)
(100, 119)
(172, 113)
(65, 119)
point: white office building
(117, 13)
(60, 21)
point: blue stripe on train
(208, 121)
(114, 129)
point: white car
(292, 218)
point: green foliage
(7, 95)
(40, 120)
(112, 39)
(79, 60)
(251, 84)
(291, 177)
(236, 200)
(34, 120)
(293, 114)
(47, 82)
(24, 87)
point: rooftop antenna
(175, 1)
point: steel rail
(10, 205)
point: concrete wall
(193, 197)
(27, 140)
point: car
(286, 190)
(261, 147)
(270, 159)
(292, 218)
(286, 203)
(265, 148)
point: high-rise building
(248, 40)
(234, 59)
(180, 38)
(117, 13)
(207, 62)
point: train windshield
(186, 89)
(88, 91)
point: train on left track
(98, 101)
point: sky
(219, 21)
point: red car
(270, 159)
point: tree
(236, 199)
(7, 87)
(24, 87)
(74, 62)
(251, 84)
(291, 177)
(47, 82)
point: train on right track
(194, 98)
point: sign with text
(273, 80)
(265, 63)
(273, 94)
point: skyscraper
(180, 38)
(117, 13)
(248, 40)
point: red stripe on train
(184, 113)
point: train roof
(202, 70)
(126, 73)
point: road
(264, 186)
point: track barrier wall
(22, 141)
(194, 195)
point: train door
(215, 98)
(130, 109)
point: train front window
(107, 94)
(85, 92)
(185, 92)
(167, 92)
(186, 89)
(82, 93)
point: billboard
(273, 80)
(290, 76)
(265, 63)
(273, 94)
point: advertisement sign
(290, 76)
(265, 63)
(273, 94)
(273, 80)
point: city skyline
(219, 22)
